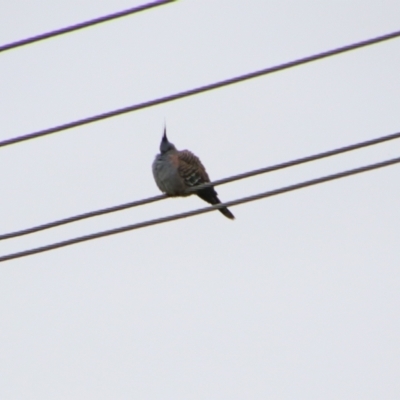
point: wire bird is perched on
(175, 171)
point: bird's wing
(190, 169)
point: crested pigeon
(175, 171)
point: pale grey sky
(298, 298)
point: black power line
(199, 211)
(233, 178)
(200, 89)
(80, 217)
(82, 25)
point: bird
(175, 171)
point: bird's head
(165, 145)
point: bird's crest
(165, 145)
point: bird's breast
(166, 175)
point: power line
(198, 90)
(199, 211)
(80, 217)
(82, 25)
(233, 178)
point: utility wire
(233, 178)
(199, 211)
(80, 217)
(198, 90)
(81, 25)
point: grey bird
(175, 171)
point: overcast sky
(298, 298)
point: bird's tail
(212, 198)
(226, 212)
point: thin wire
(80, 217)
(198, 90)
(82, 25)
(233, 178)
(199, 211)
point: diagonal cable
(82, 25)
(198, 90)
(233, 178)
(175, 217)
(80, 217)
